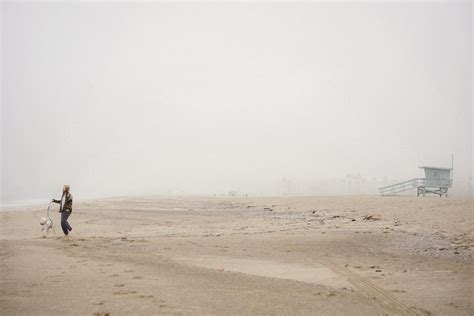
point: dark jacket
(67, 203)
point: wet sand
(358, 255)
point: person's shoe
(70, 229)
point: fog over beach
(207, 98)
(233, 158)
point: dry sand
(212, 255)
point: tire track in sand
(386, 300)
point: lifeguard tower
(437, 181)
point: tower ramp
(401, 187)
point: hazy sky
(116, 98)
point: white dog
(46, 226)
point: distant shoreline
(14, 204)
(18, 204)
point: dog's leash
(47, 211)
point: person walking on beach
(65, 208)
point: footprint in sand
(129, 271)
(119, 285)
(137, 277)
(145, 296)
(113, 275)
(399, 291)
(124, 292)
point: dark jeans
(64, 224)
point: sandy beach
(363, 255)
